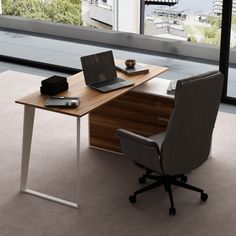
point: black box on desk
(54, 81)
(54, 85)
(54, 90)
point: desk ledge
(156, 86)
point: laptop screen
(98, 67)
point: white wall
(128, 18)
(0, 6)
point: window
(64, 11)
(39, 16)
(196, 21)
(92, 13)
(171, 26)
(192, 21)
(231, 83)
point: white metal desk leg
(78, 159)
(26, 145)
(27, 137)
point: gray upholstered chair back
(188, 137)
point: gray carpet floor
(106, 180)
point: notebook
(136, 70)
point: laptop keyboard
(108, 82)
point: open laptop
(100, 72)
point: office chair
(187, 141)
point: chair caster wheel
(204, 197)
(172, 211)
(183, 178)
(132, 198)
(142, 180)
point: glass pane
(197, 21)
(231, 88)
(92, 13)
(63, 11)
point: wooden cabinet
(141, 113)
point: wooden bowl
(130, 63)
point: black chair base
(167, 181)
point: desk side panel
(140, 113)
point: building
(111, 14)
(217, 7)
(161, 2)
(98, 13)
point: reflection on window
(187, 20)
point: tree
(212, 35)
(191, 38)
(210, 32)
(63, 11)
(233, 19)
(215, 21)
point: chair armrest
(142, 151)
(124, 134)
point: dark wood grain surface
(134, 111)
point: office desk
(90, 100)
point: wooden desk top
(90, 99)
